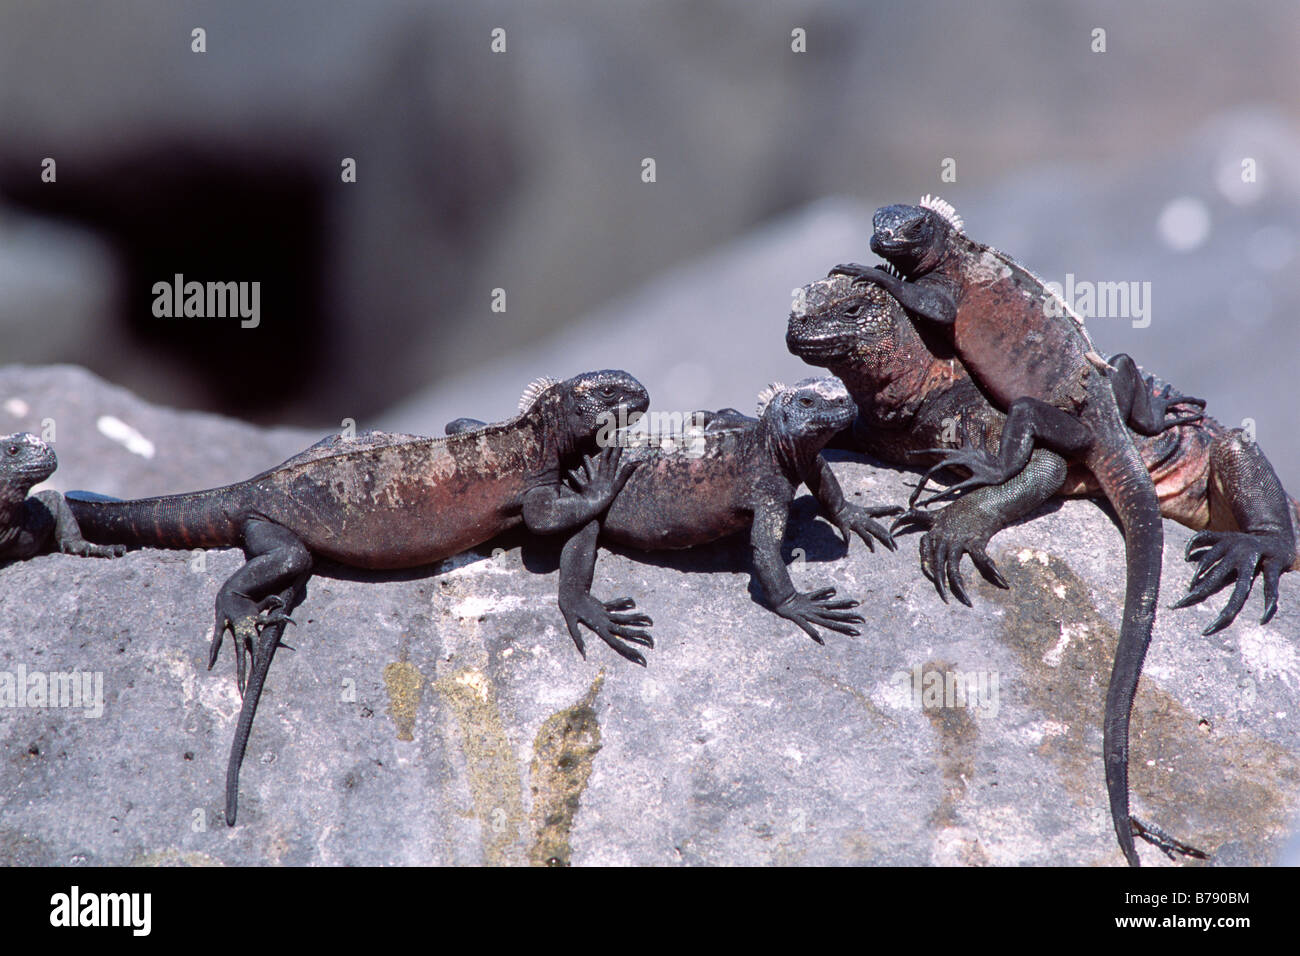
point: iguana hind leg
(1030, 423)
(253, 604)
(247, 601)
(1143, 409)
(1256, 536)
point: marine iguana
(913, 393)
(733, 473)
(1030, 354)
(42, 523)
(379, 501)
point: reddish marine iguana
(735, 474)
(913, 394)
(42, 523)
(1030, 354)
(378, 501)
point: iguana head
(595, 401)
(25, 460)
(914, 239)
(808, 414)
(838, 321)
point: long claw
(940, 574)
(923, 519)
(987, 568)
(1234, 605)
(1202, 539)
(1271, 572)
(956, 583)
(605, 622)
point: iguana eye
(854, 310)
(805, 401)
(13, 449)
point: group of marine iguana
(949, 353)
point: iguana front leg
(609, 620)
(1242, 481)
(811, 610)
(965, 526)
(550, 510)
(554, 508)
(849, 519)
(67, 534)
(927, 297)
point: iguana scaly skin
(741, 475)
(1030, 354)
(913, 394)
(378, 501)
(731, 474)
(42, 523)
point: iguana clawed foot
(609, 622)
(817, 608)
(1223, 555)
(1166, 400)
(246, 619)
(601, 477)
(1170, 846)
(942, 547)
(859, 272)
(856, 519)
(984, 470)
(84, 549)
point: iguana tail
(202, 519)
(1126, 482)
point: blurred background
(522, 171)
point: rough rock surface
(443, 716)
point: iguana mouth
(883, 242)
(817, 349)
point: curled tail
(1127, 484)
(203, 519)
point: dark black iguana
(731, 473)
(379, 501)
(41, 523)
(913, 394)
(1030, 354)
(741, 475)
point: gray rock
(443, 716)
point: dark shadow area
(210, 212)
